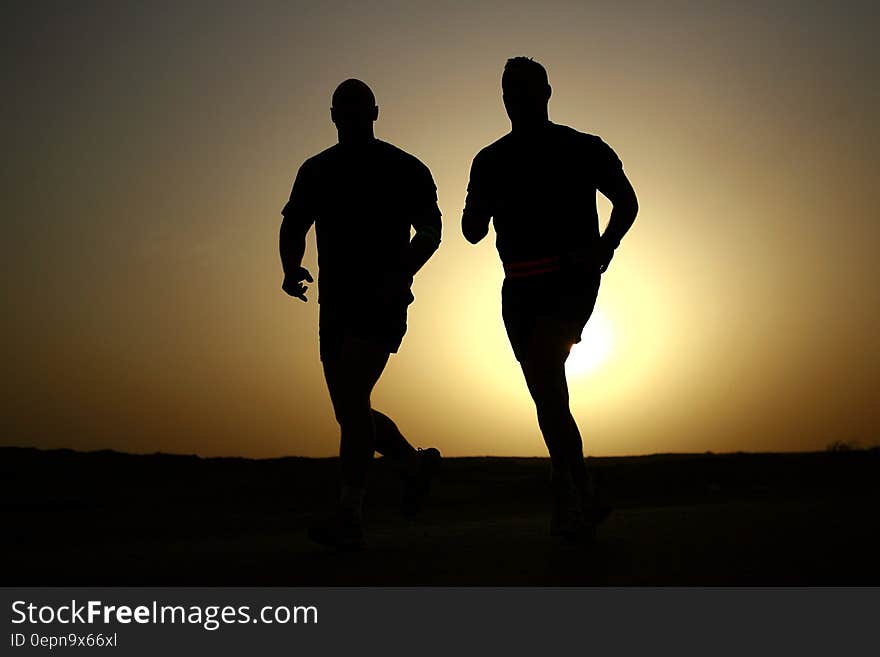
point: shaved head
(353, 96)
(353, 111)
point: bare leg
(545, 379)
(415, 467)
(350, 380)
(544, 371)
(390, 442)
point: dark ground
(106, 518)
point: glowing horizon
(150, 153)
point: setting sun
(143, 309)
(595, 347)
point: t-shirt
(363, 200)
(540, 189)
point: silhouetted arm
(615, 186)
(477, 208)
(292, 244)
(625, 206)
(422, 199)
(298, 219)
(426, 241)
(474, 222)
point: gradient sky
(148, 149)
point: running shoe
(417, 482)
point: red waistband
(523, 268)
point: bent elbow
(474, 235)
(473, 230)
(630, 206)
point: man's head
(526, 91)
(353, 109)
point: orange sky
(149, 150)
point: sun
(595, 347)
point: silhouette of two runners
(363, 195)
(538, 185)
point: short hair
(525, 69)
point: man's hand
(604, 254)
(293, 285)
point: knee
(548, 392)
(352, 410)
(551, 411)
(551, 404)
(382, 422)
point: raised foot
(417, 483)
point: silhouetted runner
(538, 183)
(363, 195)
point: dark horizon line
(834, 447)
